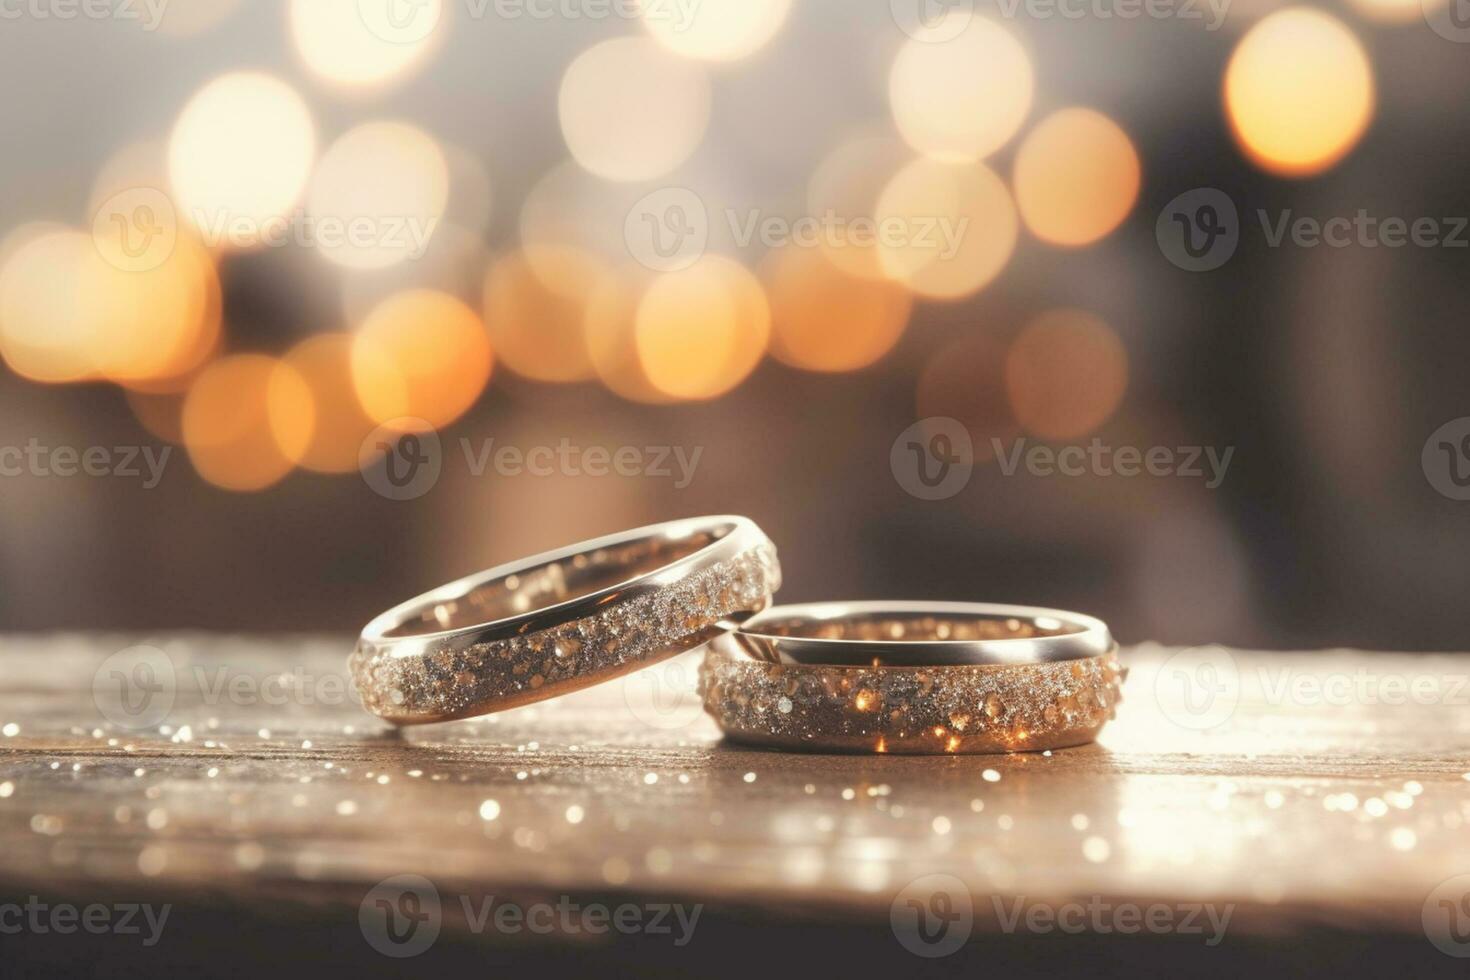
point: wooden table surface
(1324, 805)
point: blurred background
(704, 256)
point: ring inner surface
(553, 582)
(894, 628)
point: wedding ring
(557, 622)
(916, 678)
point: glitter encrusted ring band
(560, 621)
(920, 678)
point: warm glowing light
(701, 331)
(1396, 11)
(965, 381)
(612, 337)
(962, 98)
(157, 324)
(48, 320)
(951, 229)
(341, 43)
(715, 30)
(1076, 178)
(240, 152)
(247, 419)
(823, 319)
(1066, 374)
(1299, 91)
(535, 304)
(630, 111)
(324, 362)
(378, 194)
(844, 190)
(420, 354)
(195, 17)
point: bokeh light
(380, 191)
(48, 320)
(846, 186)
(715, 30)
(161, 413)
(154, 325)
(195, 17)
(631, 111)
(420, 354)
(241, 151)
(1299, 91)
(535, 305)
(339, 44)
(1066, 373)
(611, 331)
(1076, 177)
(1396, 11)
(965, 380)
(955, 228)
(247, 419)
(702, 330)
(823, 319)
(324, 362)
(963, 98)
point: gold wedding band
(915, 678)
(557, 622)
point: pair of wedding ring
(869, 677)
